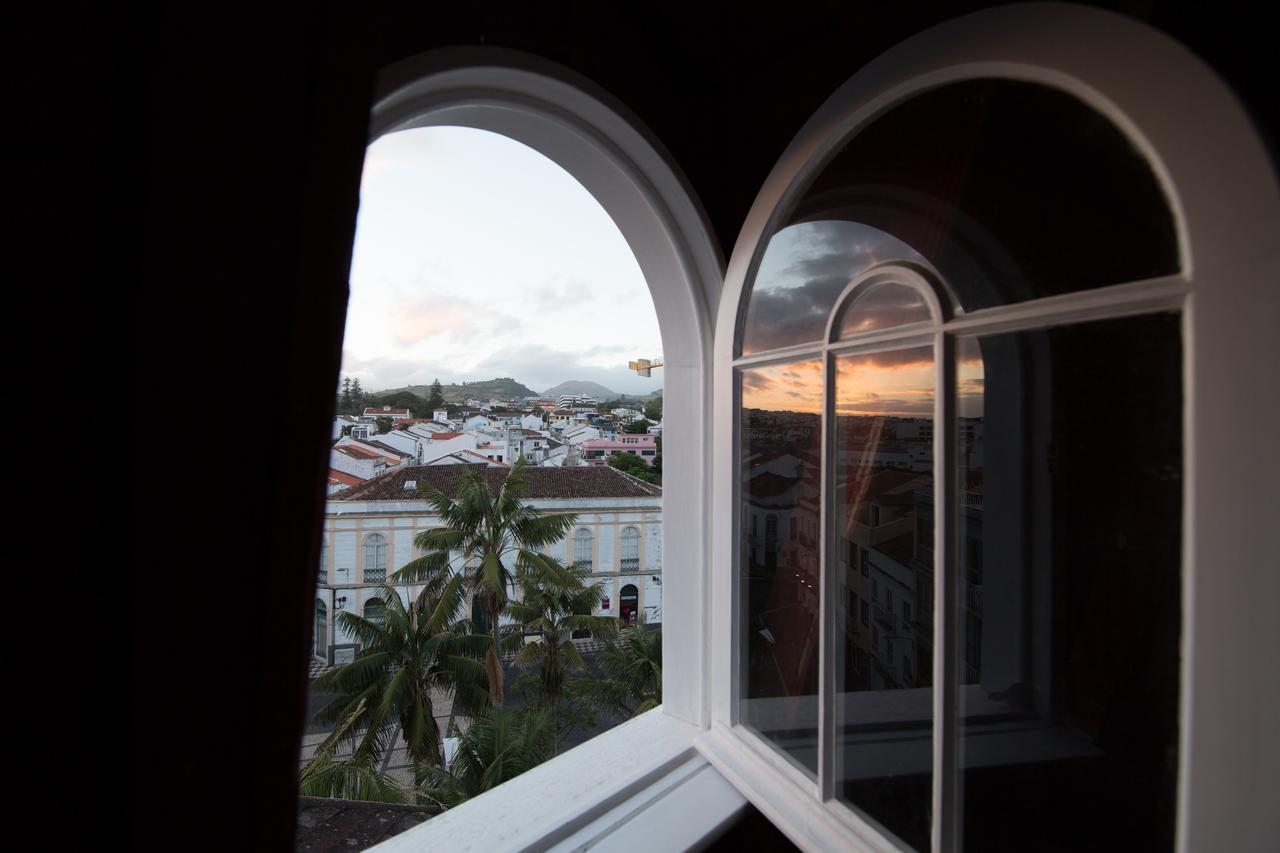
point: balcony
(973, 597)
(630, 564)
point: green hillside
(503, 388)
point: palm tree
(498, 537)
(632, 667)
(412, 650)
(349, 777)
(498, 746)
(555, 610)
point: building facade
(369, 532)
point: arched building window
(375, 611)
(322, 630)
(630, 549)
(582, 541)
(974, 389)
(375, 558)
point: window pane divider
(1119, 300)
(778, 356)
(827, 765)
(945, 811)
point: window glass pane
(882, 307)
(883, 516)
(1068, 619)
(1010, 190)
(805, 268)
(781, 436)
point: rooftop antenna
(645, 366)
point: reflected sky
(883, 307)
(804, 269)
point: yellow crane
(644, 366)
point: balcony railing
(630, 564)
(973, 596)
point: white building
(369, 531)
(372, 413)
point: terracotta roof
(389, 448)
(357, 452)
(336, 476)
(444, 436)
(601, 482)
(385, 412)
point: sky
(477, 257)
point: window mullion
(945, 834)
(827, 591)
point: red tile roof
(603, 482)
(336, 476)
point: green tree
(384, 425)
(358, 397)
(344, 400)
(411, 650)
(637, 427)
(554, 610)
(632, 669)
(653, 409)
(348, 777)
(498, 537)
(499, 745)
(435, 399)
(630, 463)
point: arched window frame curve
(374, 567)
(1221, 284)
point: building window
(324, 558)
(375, 611)
(322, 630)
(375, 558)
(582, 541)
(630, 549)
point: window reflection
(882, 307)
(805, 268)
(1067, 607)
(779, 554)
(884, 587)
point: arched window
(582, 540)
(322, 630)
(959, 324)
(630, 549)
(375, 558)
(375, 611)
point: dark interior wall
(254, 132)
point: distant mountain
(503, 388)
(578, 386)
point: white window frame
(649, 778)
(1222, 191)
(648, 766)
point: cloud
(805, 269)
(559, 293)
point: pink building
(596, 451)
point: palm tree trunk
(493, 663)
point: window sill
(642, 779)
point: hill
(502, 388)
(579, 386)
